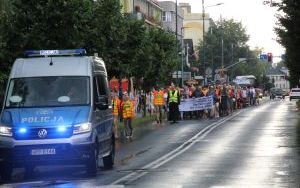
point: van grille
(33, 133)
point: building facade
(169, 17)
(193, 24)
(278, 76)
(148, 10)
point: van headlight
(5, 131)
(82, 128)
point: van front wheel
(92, 164)
(108, 161)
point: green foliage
(5, 4)
(162, 56)
(289, 32)
(128, 46)
(235, 47)
(234, 37)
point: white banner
(195, 104)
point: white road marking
(174, 153)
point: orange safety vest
(116, 106)
(128, 109)
(159, 98)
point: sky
(259, 20)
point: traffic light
(270, 57)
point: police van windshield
(48, 91)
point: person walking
(159, 102)
(252, 95)
(128, 114)
(116, 103)
(212, 94)
(204, 93)
(218, 101)
(224, 101)
(173, 102)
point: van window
(48, 91)
(95, 90)
(102, 85)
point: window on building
(167, 16)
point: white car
(295, 93)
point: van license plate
(43, 152)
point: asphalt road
(254, 147)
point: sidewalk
(141, 125)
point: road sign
(263, 57)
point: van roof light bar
(46, 53)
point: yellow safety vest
(128, 109)
(173, 97)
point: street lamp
(203, 40)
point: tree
(5, 5)
(158, 58)
(127, 45)
(235, 46)
(288, 32)
(234, 37)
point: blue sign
(263, 57)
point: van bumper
(74, 150)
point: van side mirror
(102, 103)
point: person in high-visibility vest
(173, 101)
(128, 114)
(159, 102)
(116, 102)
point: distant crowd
(164, 102)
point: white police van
(57, 109)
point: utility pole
(203, 40)
(176, 21)
(182, 53)
(222, 46)
(176, 33)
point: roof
(274, 71)
(61, 66)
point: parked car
(276, 93)
(295, 93)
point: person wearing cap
(173, 102)
(128, 114)
(116, 102)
